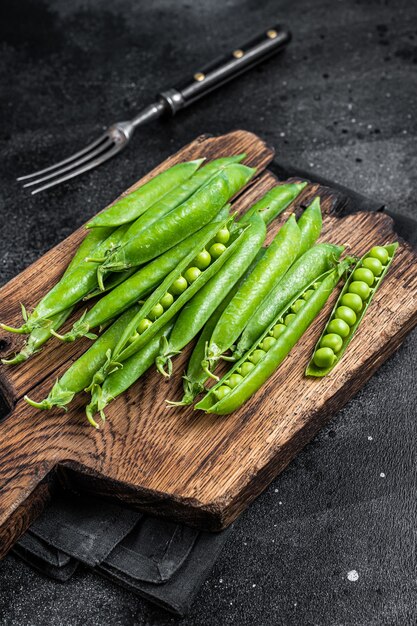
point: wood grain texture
(197, 468)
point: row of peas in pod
(169, 262)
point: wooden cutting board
(201, 469)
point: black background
(342, 101)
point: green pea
(339, 327)
(156, 312)
(353, 301)
(297, 305)
(346, 314)
(245, 368)
(202, 260)
(278, 330)
(267, 343)
(372, 264)
(178, 286)
(316, 285)
(364, 275)
(380, 253)
(133, 337)
(289, 318)
(307, 294)
(192, 274)
(332, 341)
(360, 288)
(256, 356)
(166, 300)
(222, 236)
(217, 250)
(324, 357)
(143, 325)
(234, 380)
(221, 392)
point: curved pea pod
(180, 194)
(277, 259)
(181, 222)
(310, 225)
(39, 336)
(141, 283)
(70, 289)
(82, 371)
(317, 260)
(350, 309)
(198, 310)
(123, 350)
(274, 202)
(226, 397)
(134, 204)
(121, 379)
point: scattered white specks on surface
(295, 603)
(352, 575)
(254, 585)
(220, 580)
(276, 490)
(370, 438)
(382, 475)
(280, 502)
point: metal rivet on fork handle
(170, 101)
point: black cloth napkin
(160, 560)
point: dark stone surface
(342, 101)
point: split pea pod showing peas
(81, 373)
(176, 289)
(70, 289)
(279, 256)
(121, 379)
(181, 222)
(350, 309)
(141, 283)
(261, 361)
(134, 204)
(319, 259)
(179, 194)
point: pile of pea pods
(170, 262)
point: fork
(117, 136)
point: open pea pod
(176, 289)
(350, 308)
(261, 361)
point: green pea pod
(195, 377)
(123, 350)
(274, 202)
(69, 290)
(317, 260)
(134, 204)
(310, 224)
(179, 195)
(350, 309)
(279, 257)
(39, 336)
(181, 222)
(82, 371)
(265, 357)
(136, 286)
(198, 310)
(121, 379)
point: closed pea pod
(179, 194)
(179, 223)
(137, 202)
(312, 264)
(354, 293)
(266, 362)
(277, 259)
(121, 379)
(274, 202)
(310, 224)
(82, 371)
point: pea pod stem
(271, 359)
(315, 370)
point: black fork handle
(225, 69)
